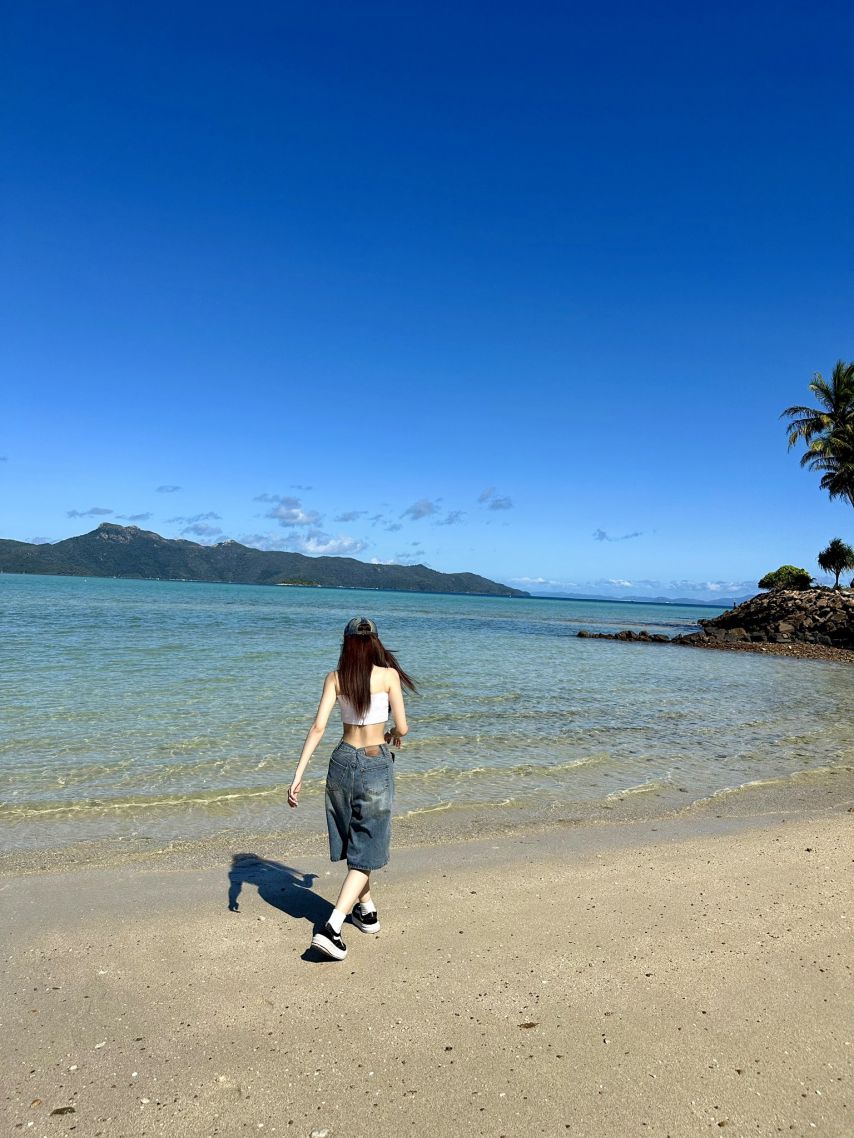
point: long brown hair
(359, 654)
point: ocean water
(169, 710)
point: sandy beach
(672, 976)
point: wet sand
(676, 976)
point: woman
(367, 684)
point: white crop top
(376, 713)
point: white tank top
(376, 713)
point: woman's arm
(399, 727)
(315, 734)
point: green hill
(127, 551)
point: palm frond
(827, 430)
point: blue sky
(516, 290)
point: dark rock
(811, 623)
(628, 635)
(789, 616)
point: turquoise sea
(167, 710)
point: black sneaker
(366, 922)
(329, 943)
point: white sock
(336, 920)
(367, 906)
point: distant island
(127, 551)
(692, 602)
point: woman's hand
(392, 736)
(293, 792)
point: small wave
(47, 805)
(442, 806)
(99, 807)
(518, 770)
(652, 786)
(814, 774)
(446, 807)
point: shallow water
(168, 710)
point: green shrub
(786, 577)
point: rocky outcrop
(813, 624)
(641, 637)
(783, 616)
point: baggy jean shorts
(359, 797)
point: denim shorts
(359, 795)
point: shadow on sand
(282, 887)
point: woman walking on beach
(368, 684)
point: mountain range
(127, 551)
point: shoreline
(656, 976)
(803, 794)
(796, 650)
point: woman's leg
(356, 883)
(365, 895)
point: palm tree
(828, 430)
(838, 557)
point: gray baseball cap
(360, 626)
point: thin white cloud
(350, 515)
(168, 489)
(723, 588)
(494, 501)
(393, 527)
(423, 508)
(269, 542)
(200, 529)
(134, 517)
(295, 516)
(92, 512)
(289, 511)
(452, 518)
(642, 587)
(601, 535)
(318, 543)
(194, 519)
